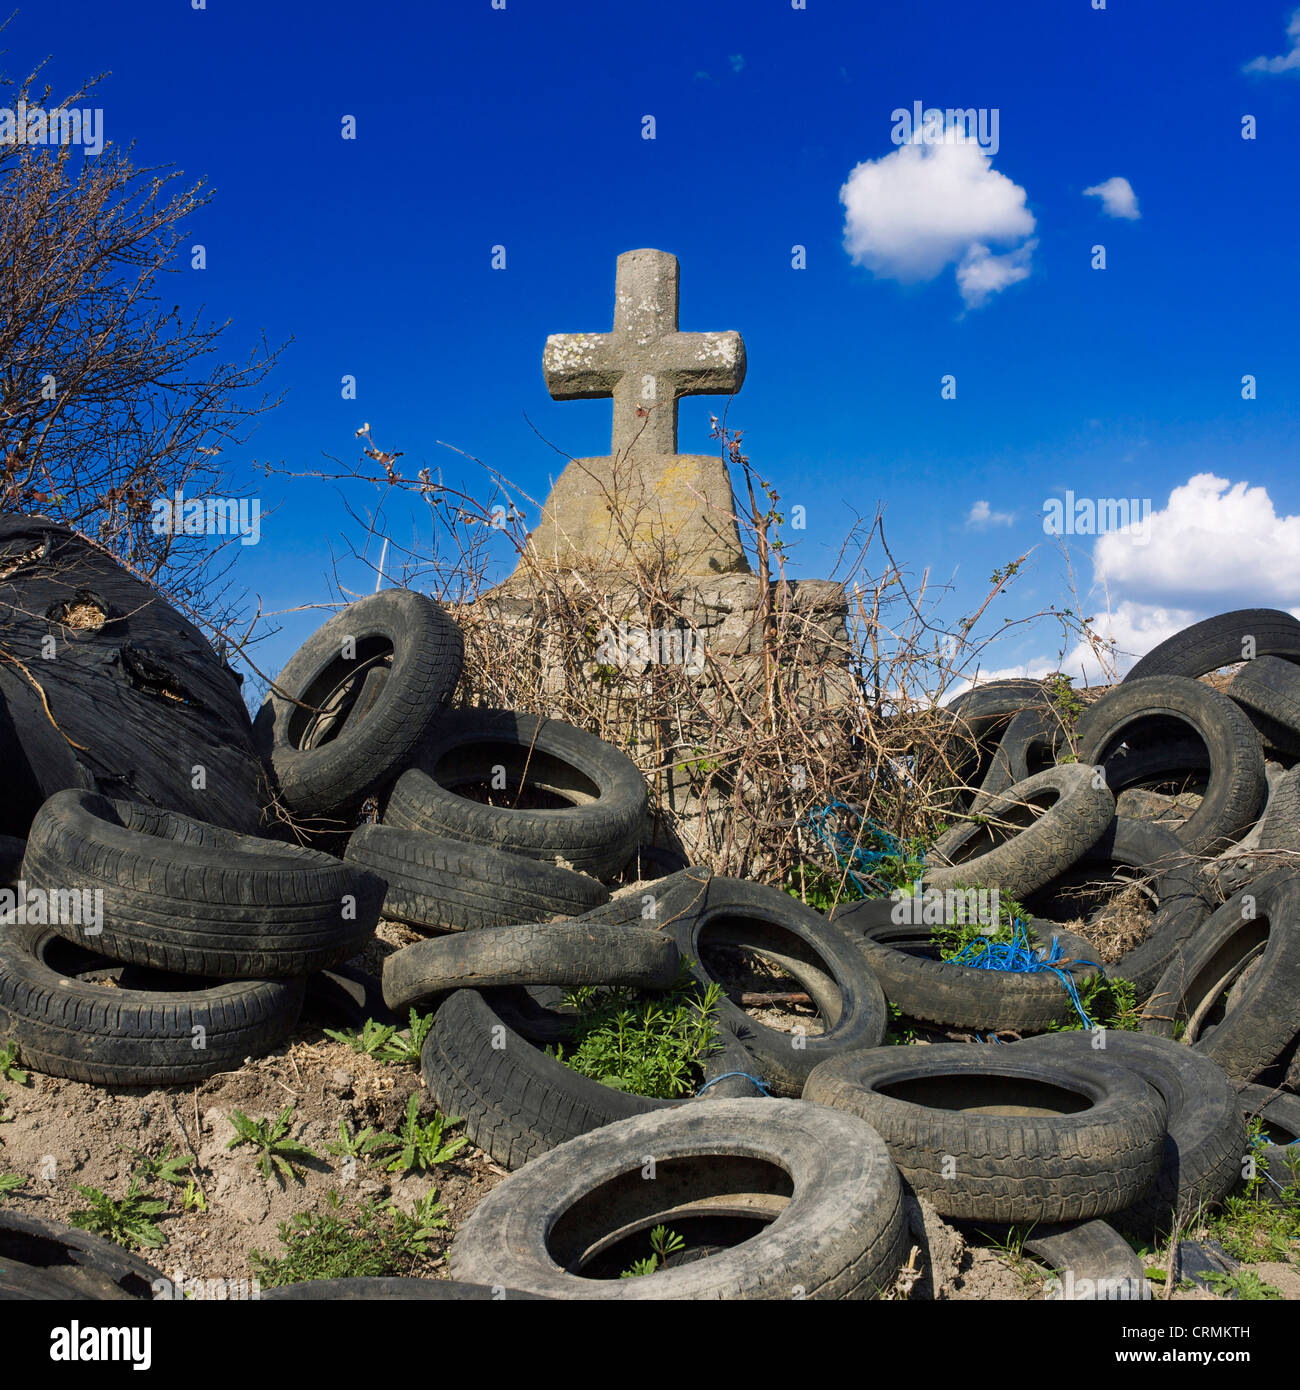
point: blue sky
(523, 127)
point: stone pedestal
(674, 508)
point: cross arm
(580, 366)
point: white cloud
(1290, 60)
(1117, 198)
(981, 514)
(1215, 542)
(981, 273)
(1214, 546)
(912, 213)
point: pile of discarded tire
(161, 925)
(791, 1170)
(1082, 1134)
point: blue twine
(1019, 956)
(762, 1085)
(848, 848)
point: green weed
(276, 1152)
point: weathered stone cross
(643, 496)
(645, 363)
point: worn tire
(1028, 747)
(1183, 898)
(12, 850)
(84, 1265)
(366, 731)
(922, 986)
(816, 952)
(448, 885)
(1280, 828)
(1268, 689)
(346, 996)
(1027, 850)
(1237, 786)
(1260, 1022)
(372, 1290)
(597, 831)
(1092, 1251)
(133, 1034)
(1205, 1136)
(1219, 641)
(1280, 1112)
(518, 1102)
(840, 1236)
(554, 953)
(183, 896)
(1004, 1167)
(656, 904)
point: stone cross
(645, 363)
(644, 495)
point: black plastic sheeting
(143, 693)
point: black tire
(1237, 786)
(1090, 1262)
(1182, 895)
(449, 885)
(906, 962)
(346, 996)
(1005, 1167)
(1221, 641)
(133, 704)
(998, 699)
(554, 953)
(333, 737)
(370, 1290)
(518, 1102)
(1268, 689)
(141, 1031)
(1028, 747)
(86, 1266)
(195, 899)
(1280, 828)
(1260, 1022)
(12, 850)
(841, 1235)
(980, 718)
(1280, 1113)
(603, 796)
(1036, 830)
(1205, 1136)
(816, 952)
(657, 904)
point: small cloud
(702, 76)
(1290, 60)
(981, 273)
(981, 514)
(737, 61)
(911, 213)
(1117, 198)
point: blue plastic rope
(850, 849)
(762, 1085)
(1019, 956)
